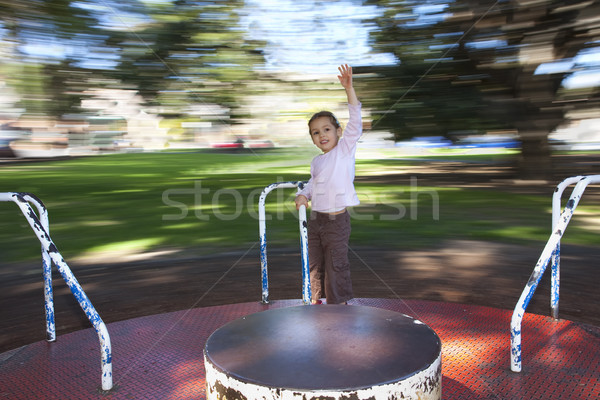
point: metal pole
(540, 267)
(555, 275)
(262, 228)
(306, 293)
(46, 269)
(50, 248)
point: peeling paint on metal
(555, 282)
(49, 300)
(51, 254)
(262, 228)
(306, 292)
(550, 254)
(423, 385)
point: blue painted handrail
(262, 227)
(50, 254)
(556, 211)
(550, 253)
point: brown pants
(328, 237)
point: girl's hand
(345, 76)
(301, 200)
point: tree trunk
(535, 162)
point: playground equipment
(323, 351)
(551, 253)
(474, 352)
(40, 226)
(262, 227)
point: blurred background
(150, 127)
(82, 77)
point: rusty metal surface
(323, 347)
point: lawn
(193, 203)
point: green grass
(201, 202)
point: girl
(330, 191)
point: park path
(469, 272)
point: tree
(38, 74)
(472, 65)
(188, 52)
(175, 54)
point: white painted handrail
(306, 294)
(262, 227)
(551, 251)
(50, 254)
(555, 273)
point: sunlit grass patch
(207, 202)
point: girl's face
(324, 134)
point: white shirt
(331, 184)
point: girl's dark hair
(327, 114)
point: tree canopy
(469, 66)
(175, 54)
(475, 66)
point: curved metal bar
(555, 273)
(540, 267)
(46, 269)
(50, 249)
(262, 227)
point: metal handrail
(51, 254)
(555, 273)
(46, 269)
(262, 227)
(551, 252)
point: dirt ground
(470, 272)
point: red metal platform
(160, 356)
